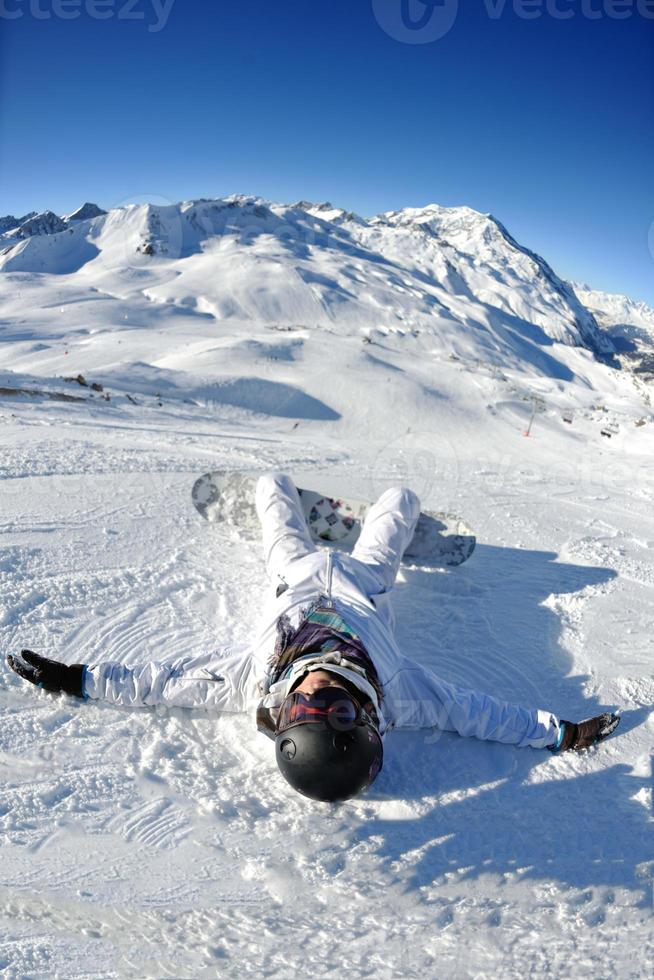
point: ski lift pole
(527, 431)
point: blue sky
(548, 123)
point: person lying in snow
(325, 674)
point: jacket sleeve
(219, 681)
(418, 698)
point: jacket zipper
(330, 557)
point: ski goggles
(330, 706)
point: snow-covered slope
(355, 354)
(477, 255)
(243, 257)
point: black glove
(583, 734)
(48, 674)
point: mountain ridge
(326, 263)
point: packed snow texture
(417, 347)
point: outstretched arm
(429, 702)
(221, 681)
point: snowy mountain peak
(614, 310)
(439, 221)
(326, 211)
(481, 249)
(462, 228)
(85, 212)
(309, 206)
(45, 223)
(629, 323)
(428, 212)
(9, 222)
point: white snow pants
(386, 533)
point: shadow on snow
(484, 625)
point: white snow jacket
(358, 587)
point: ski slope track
(414, 347)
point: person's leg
(285, 532)
(387, 532)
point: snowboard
(439, 540)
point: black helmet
(327, 746)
